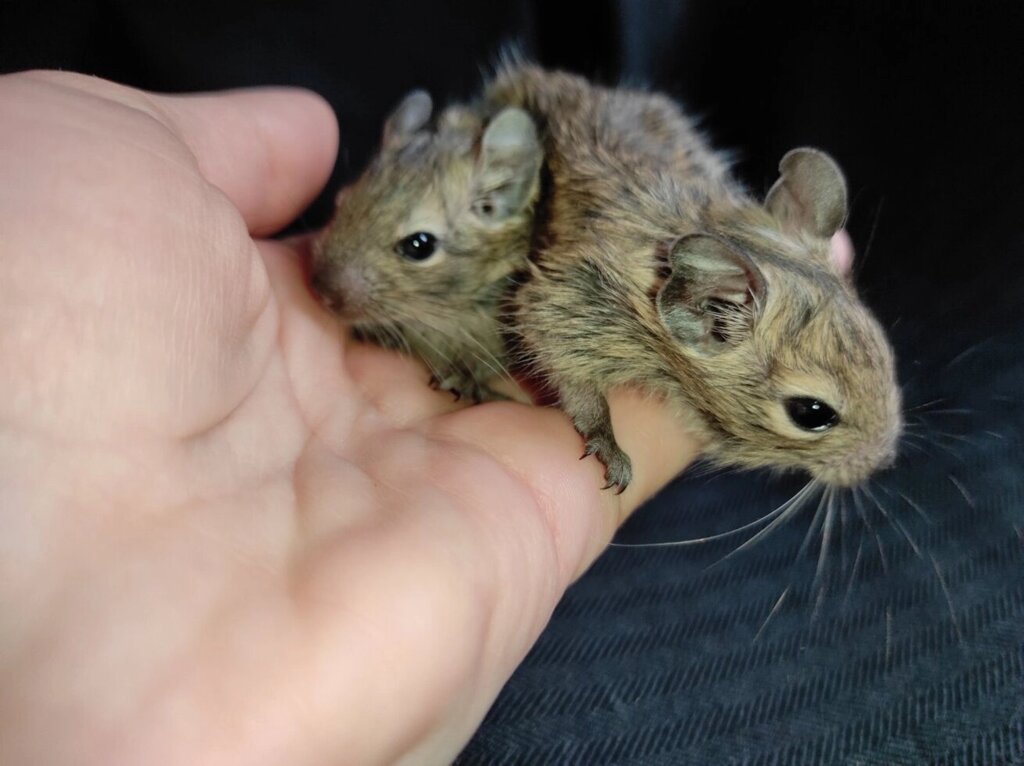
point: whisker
(963, 491)
(811, 528)
(958, 437)
(921, 512)
(966, 353)
(871, 238)
(423, 339)
(878, 541)
(895, 522)
(949, 601)
(399, 339)
(792, 510)
(940, 400)
(844, 535)
(853, 573)
(721, 535)
(917, 447)
(826, 537)
(819, 599)
(944, 447)
(774, 610)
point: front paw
(450, 382)
(618, 468)
(461, 385)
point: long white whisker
(963, 491)
(920, 511)
(721, 535)
(799, 499)
(826, 537)
(950, 411)
(812, 527)
(958, 437)
(871, 529)
(940, 400)
(966, 352)
(917, 447)
(853, 572)
(409, 325)
(772, 613)
(497, 365)
(949, 601)
(895, 522)
(844, 535)
(944, 447)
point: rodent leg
(588, 409)
(462, 383)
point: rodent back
(670, 276)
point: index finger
(270, 150)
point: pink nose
(342, 292)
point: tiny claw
(621, 489)
(456, 394)
(609, 485)
(584, 456)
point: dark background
(915, 654)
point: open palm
(230, 535)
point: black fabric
(908, 647)
(910, 650)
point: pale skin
(230, 534)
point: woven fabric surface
(903, 644)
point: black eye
(811, 414)
(418, 246)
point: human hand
(231, 535)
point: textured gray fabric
(913, 652)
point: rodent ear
(708, 301)
(811, 194)
(409, 116)
(508, 169)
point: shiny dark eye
(811, 414)
(418, 246)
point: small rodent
(656, 269)
(422, 246)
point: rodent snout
(854, 469)
(340, 292)
(326, 291)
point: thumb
(270, 150)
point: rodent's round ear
(810, 195)
(708, 301)
(411, 114)
(508, 169)
(511, 130)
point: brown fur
(445, 310)
(630, 177)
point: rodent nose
(326, 292)
(888, 459)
